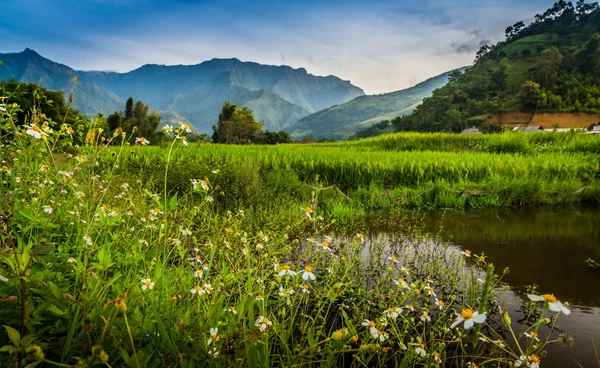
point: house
(595, 129)
(471, 131)
(529, 129)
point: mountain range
(280, 96)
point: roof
(471, 131)
(530, 129)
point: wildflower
(285, 292)
(499, 342)
(532, 335)
(262, 323)
(325, 246)
(532, 361)
(392, 312)
(184, 140)
(231, 310)
(48, 209)
(425, 317)
(217, 171)
(393, 259)
(370, 325)
(198, 274)
(361, 237)
(207, 288)
(484, 339)
(355, 338)
(466, 252)
(405, 270)
(469, 317)
(167, 129)
(304, 289)
(287, 271)
(259, 298)
(185, 127)
(143, 141)
(420, 349)
(401, 282)
(308, 211)
(147, 284)
(437, 357)
(411, 307)
(213, 335)
(35, 131)
(308, 274)
(71, 260)
(553, 304)
(402, 346)
(197, 290)
(379, 335)
(186, 232)
(439, 303)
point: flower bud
(506, 318)
(340, 334)
(100, 353)
(35, 352)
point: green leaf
(13, 335)
(173, 201)
(8, 349)
(54, 309)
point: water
(542, 247)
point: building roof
(471, 131)
(530, 129)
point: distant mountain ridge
(342, 121)
(279, 95)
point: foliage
(37, 105)
(235, 125)
(135, 122)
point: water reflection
(540, 247)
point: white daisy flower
(213, 335)
(307, 273)
(263, 323)
(553, 304)
(392, 312)
(286, 271)
(469, 317)
(147, 284)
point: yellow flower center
(308, 268)
(392, 309)
(198, 288)
(441, 303)
(379, 333)
(550, 298)
(534, 358)
(142, 140)
(286, 267)
(305, 287)
(436, 354)
(422, 346)
(325, 244)
(533, 334)
(308, 210)
(394, 258)
(467, 313)
(371, 324)
(265, 320)
(35, 127)
(468, 251)
(148, 282)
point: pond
(542, 247)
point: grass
(209, 255)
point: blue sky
(379, 45)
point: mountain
(341, 121)
(29, 66)
(279, 95)
(551, 65)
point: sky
(378, 45)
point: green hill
(342, 121)
(550, 65)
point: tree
(548, 66)
(129, 108)
(529, 95)
(235, 125)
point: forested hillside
(552, 64)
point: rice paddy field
(213, 255)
